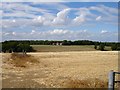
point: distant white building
(58, 44)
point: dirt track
(61, 69)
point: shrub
(95, 46)
(101, 47)
(114, 47)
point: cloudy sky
(59, 21)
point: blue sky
(96, 21)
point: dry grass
(52, 48)
(86, 69)
(88, 83)
(22, 60)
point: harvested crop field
(55, 48)
(80, 69)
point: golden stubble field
(80, 69)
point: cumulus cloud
(21, 16)
(25, 13)
(61, 18)
(78, 20)
(58, 31)
(61, 34)
(40, 20)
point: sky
(96, 21)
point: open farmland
(85, 69)
(55, 48)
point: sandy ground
(61, 69)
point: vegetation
(25, 45)
(95, 46)
(102, 47)
(115, 47)
(20, 60)
(13, 46)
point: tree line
(24, 45)
(50, 42)
(16, 46)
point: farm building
(57, 43)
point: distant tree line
(24, 45)
(16, 46)
(47, 42)
(101, 46)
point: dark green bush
(101, 47)
(114, 47)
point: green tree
(114, 47)
(95, 46)
(15, 46)
(101, 47)
(24, 48)
(64, 42)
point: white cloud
(39, 20)
(24, 15)
(62, 34)
(47, 18)
(14, 33)
(105, 9)
(33, 32)
(8, 24)
(6, 34)
(109, 9)
(55, 34)
(78, 20)
(32, 1)
(109, 14)
(14, 21)
(62, 14)
(60, 1)
(61, 18)
(104, 31)
(98, 18)
(21, 10)
(58, 31)
(52, 5)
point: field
(53, 48)
(76, 69)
